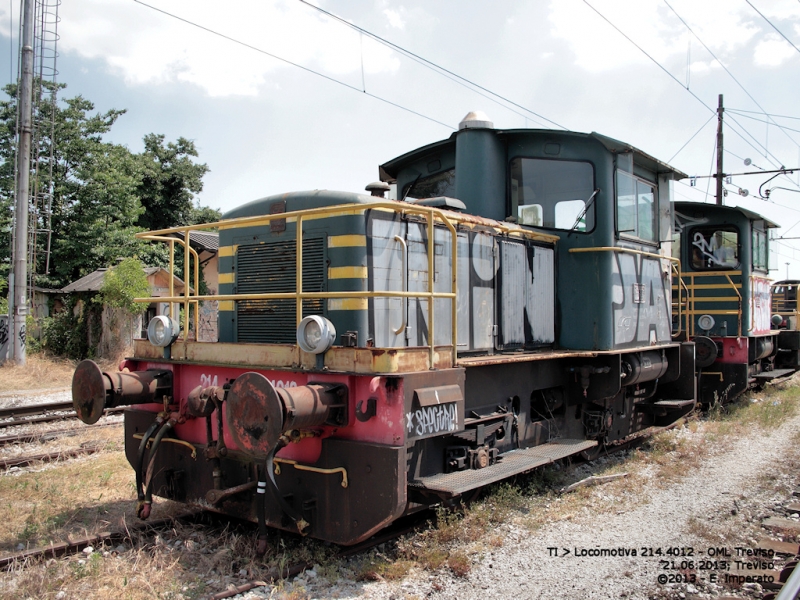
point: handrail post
(299, 270)
(454, 291)
(431, 279)
(187, 274)
(171, 273)
(196, 288)
(739, 296)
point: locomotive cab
(725, 292)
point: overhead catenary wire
(294, 64)
(758, 112)
(691, 138)
(674, 78)
(741, 114)
(721, 64)
(435, 67)
(773, 26)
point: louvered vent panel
(270, 268)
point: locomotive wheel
(705, 350)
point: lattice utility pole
(18, 297)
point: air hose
(269, 467)
(140, 459)
(143, 507)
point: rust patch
(89, 392)
(254, 413)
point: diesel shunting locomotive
(532, 295)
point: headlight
(162, 331)
(777, 320)
(315, 334)
(706, 322)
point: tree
(94, 183)
(103, 194)
(170, 178)
(203, 214)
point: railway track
(23, 461)
(42, 413)
(396, 530)
(782, 581)
(46, 436)
(75, 546)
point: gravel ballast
(720, 502)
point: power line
(721, 64)
(288, 62)
(767, 153)
(741, 114)
(675, 79)
(758, 112)
(690, 139)
(433, 66)
(642, 50)
(772, 25)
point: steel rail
(44, 436)
(56, 415)
(56, 550)
(34, 409)
(24, 461)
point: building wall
(209, 310)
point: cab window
(714, 248)
(555, 194)
(760, 254)
(636, 208)
(432, 186)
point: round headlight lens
(315, 334)
(706, 322)
(162, 331)
(158, 332)
(312, 334)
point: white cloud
(701, 67)
(772, 51)
(394, 18)
(146, 47)
(722, 25)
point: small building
(117, 328)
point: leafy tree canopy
(169, 180)
(102, 194)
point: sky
(278, 96)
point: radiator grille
(270, 268)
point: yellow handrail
(186, 299)
(692, 287)
(431, 216)
(675, 266)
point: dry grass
(88, 496)
(40, 372)
(74, 499)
